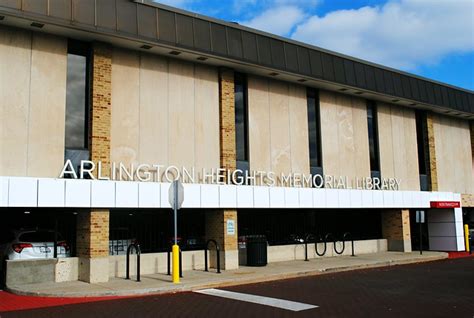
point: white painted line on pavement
(261, 300)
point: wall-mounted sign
(230, 227)
(445, 204)
(159, 173)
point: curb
(226, 283)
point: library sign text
(160, 173)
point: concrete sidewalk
(193, 280)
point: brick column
(100, 111)
(433, 170)
(93, 245)
(396, 229)
(216, 228)
(468, 198)
(227, 119)
(93, 226)
(217, 221)
(471, 128)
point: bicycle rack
(347, 234)
(218, 256)
(326, 239)
(325, 246)
(138, 251)
(180, 263)
(335, 246)
(306, 240)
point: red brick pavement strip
(12, 302)
(459, 255)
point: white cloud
(175, 3)
(279, 20)
(252, 5)
(301, 3)
(402, 34)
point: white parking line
(267, 301)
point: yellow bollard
(466, 235)
(175, 251)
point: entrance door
(415, 232)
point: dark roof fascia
(334, 68)
(295, 42)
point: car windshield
(38, 236)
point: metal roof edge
(295, 42)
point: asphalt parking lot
(435, 289)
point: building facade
(104, 103)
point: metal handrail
(135, 246)
(180, 263)
(218, 256)
(470, 241)
(347, 234)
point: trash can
(256, 250)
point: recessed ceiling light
(75, 213)
(175, 53)
(130, 214)
(301, 80)
(37, 25)
(202, 58)
(27, 212)
(146, 47)
(273, 74)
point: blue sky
(431, 38)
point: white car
(31, 244)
